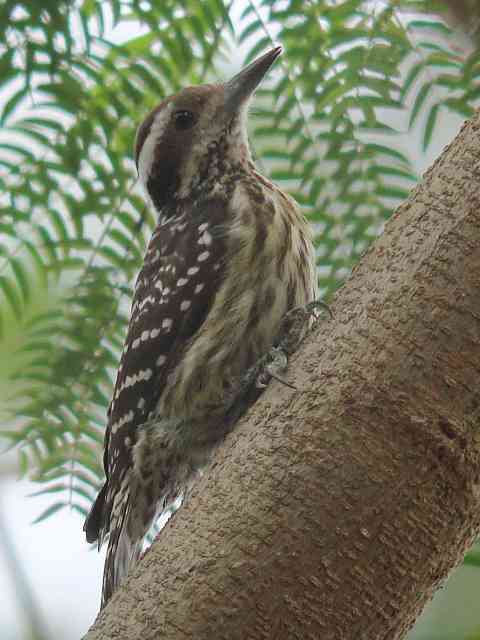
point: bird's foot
(296, 322)
(273, 364)
(295, 325)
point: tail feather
(94, 522)
(122, 554)
(124, 549)
(125, 516)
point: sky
(60, 566)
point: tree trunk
(466, 15)
(335, 511)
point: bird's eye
(184, 120)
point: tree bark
(466, 15)
(334, 512)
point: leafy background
(352, 111)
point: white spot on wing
(146, 301)
(130, 381)
(125, 419)
(205, 239)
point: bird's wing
(173, 293)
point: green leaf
(12, 103)
(430, 25)
(11, 295)
(54, 488)
(419, 102)
(430, 125)
(410, 78)
(22, 278)
(50, 511)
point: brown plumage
(230, 256)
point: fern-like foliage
(75, 80)
(70, 215)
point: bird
(229, 261)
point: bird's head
(189, 138)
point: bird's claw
(292, 332)
(296, 323)
(276, 363)
(316, 305)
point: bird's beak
(241, 87)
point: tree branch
(466, 15)
(335, 512)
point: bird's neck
(211, 164)
(211, 175)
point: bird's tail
(123, 550)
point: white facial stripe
(147, 154)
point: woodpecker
(230, 258)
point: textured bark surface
(464, 14)
(335, 512)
